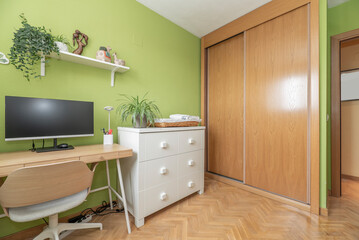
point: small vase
(138, 124)
(62, 46)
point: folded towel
(179, 116)
(184, 117)
(170, 120)
(194, 118)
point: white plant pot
(62, 46)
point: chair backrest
(38, 184)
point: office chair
(32, 193)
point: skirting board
(257, 191)
(324, 212)
(354, 178)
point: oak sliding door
(276, 110)
(226, 107)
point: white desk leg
(123, 195)
(109, 184)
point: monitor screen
(38, 118)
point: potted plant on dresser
(142, 111)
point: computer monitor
(39, 118)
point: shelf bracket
(42, 73)
(113, 76)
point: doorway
(345, 114)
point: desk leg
(123, 194)
(109, 184)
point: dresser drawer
(190, 141)
(190, 184)
(159, 197)
(190, 162)
(160, 171)
(161, 145)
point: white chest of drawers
(166, 166)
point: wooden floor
(225, 212)
(350, 189)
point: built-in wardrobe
(259, 106)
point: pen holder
(108, 139)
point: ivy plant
(30, 43)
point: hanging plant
(30, 43)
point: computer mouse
(63, 145)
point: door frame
(258, 16)
(336, 109)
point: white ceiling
(334, 3)
(201, 17)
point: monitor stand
(54, 148)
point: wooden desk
(88, 154)
(9, 162)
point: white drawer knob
(190, 184)
(191, 141)
(164, 144)
(163, 170)
(163, 196)
(190, 163)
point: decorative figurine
(3, 59)
(118, 61)
(79, 36)
(104, 54)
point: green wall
(164, 61)
(323, 100)
(342, 18)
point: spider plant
(142, 111)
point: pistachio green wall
(342, 18)
(164, 61)
(323, 100)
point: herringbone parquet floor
(350, 189)
(226, 212)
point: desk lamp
(109, 109)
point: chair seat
(41, 210)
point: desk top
(88, 154)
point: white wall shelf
(71, 57)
